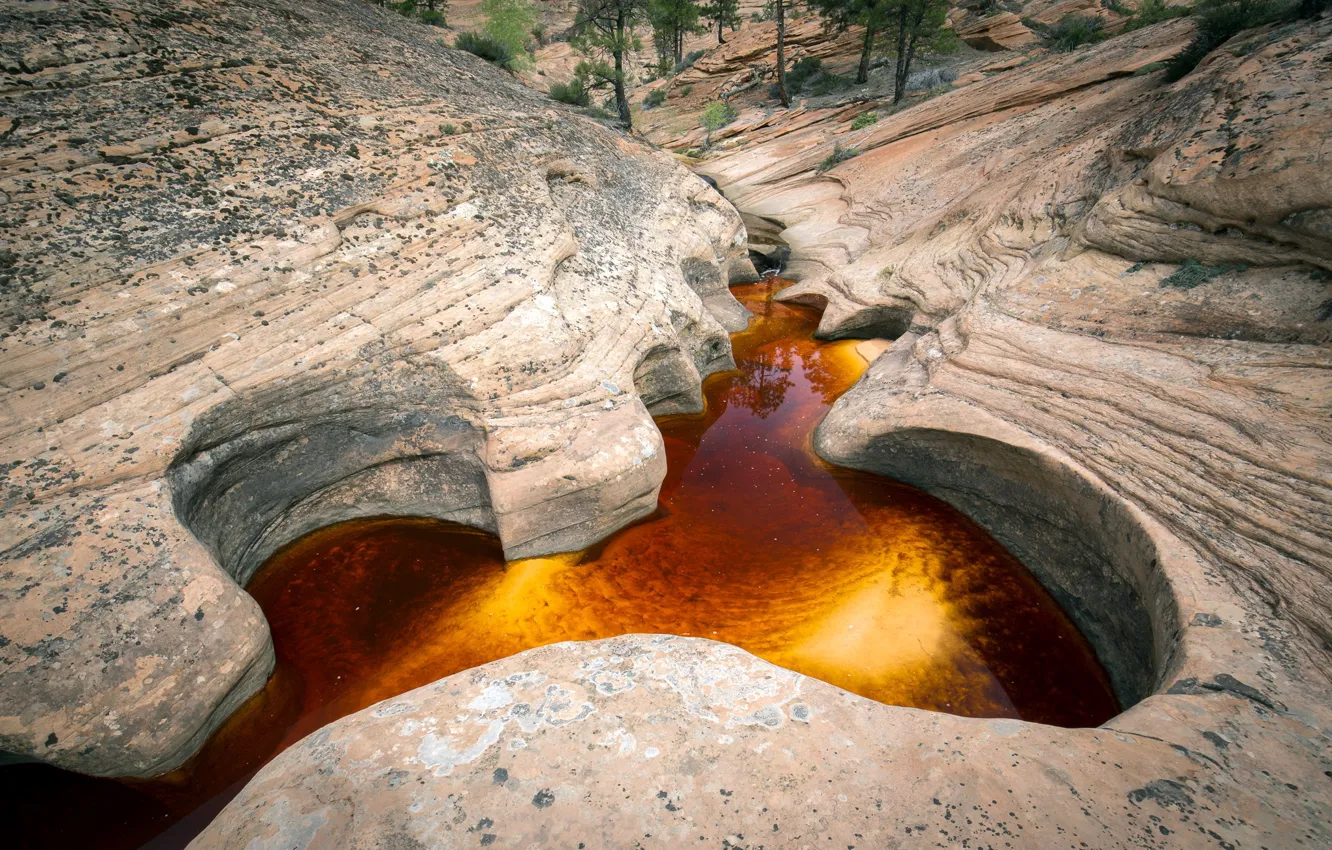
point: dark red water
(847, 577)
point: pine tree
(675, 19)
(916, 24)
(606, 28)
(873, 15)
(724, 13)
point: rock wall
(1110, 302)
(270, 265)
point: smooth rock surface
(272, 265)
(1158, 455)
(648, 740)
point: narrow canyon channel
(844, 576)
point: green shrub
(434, 19)
(407, 8)
(1073, 31)
(1218, 21)
(487, 48)
(864, 120)
(449, 129)
(1154, 12)
(509, 22)
(689, 60)
(802, 72)
(826, 83)
(716, 115)
(686, 91)
(1193, 273)
(655, 98)
(839, 155)
(573, 92)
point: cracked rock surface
(270, 265)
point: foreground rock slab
(272, 265)
(649, 740)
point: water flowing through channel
(844, 576)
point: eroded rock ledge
(273, 265)
(647, 739)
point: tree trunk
(621, 99)
(900, 75)
(721, 24)
(862, 73)
(782, 94)
(908, 38)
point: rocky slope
(269, 265)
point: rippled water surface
(850, 578)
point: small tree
(724, 13)
(606, 28)
(914, 25)
(673, 20)
(716, 115)
(873, 15)
(509, 22)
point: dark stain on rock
(1210, 620)
(543, 799)
(1166, 793)
(500, 776)
(51, 740)
(1222, 683)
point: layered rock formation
(1110, 303)
(272, 265)
(1004, 31)
(1148, 434)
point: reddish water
(847, 577)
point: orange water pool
(847, 577)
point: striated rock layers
(270, 265)
(1111, 304)
(1157, 454)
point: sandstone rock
(1133, 443)
(273, 265)
(680, 740)
(1004, 31)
